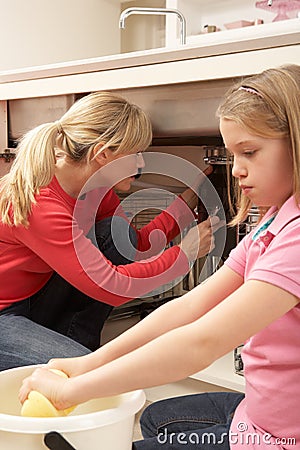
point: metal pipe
(156, 11)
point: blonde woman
(57, 287)
(253, 299)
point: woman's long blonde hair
(98, 117)
(267, 105)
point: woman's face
(131, 164)
(263, 166)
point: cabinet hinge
(7, 155)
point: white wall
(37, 32)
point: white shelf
(221, 373)
(275, 30)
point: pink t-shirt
(269, 416)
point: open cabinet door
(6, 154)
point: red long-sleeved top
(56, 241)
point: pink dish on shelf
(238, 24)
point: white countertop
(224, 45)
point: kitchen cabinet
(221, 373)
(208, 61)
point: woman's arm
(190, 195)
(176, 353)
(153, 237)
(87, 269)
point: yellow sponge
(37, 405)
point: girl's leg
(23, 342)
(190, 422)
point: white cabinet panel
(221, 373)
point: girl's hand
(190, 195)
(52, 386)
(70, 366)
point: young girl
(253, 299)
(56, 287)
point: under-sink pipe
(156, 11)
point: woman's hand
(190, 195)
(51, 385)
(200, 239)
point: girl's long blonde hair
(267, 105)
(98, 117)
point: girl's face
(263, 166)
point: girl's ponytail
(32, 169)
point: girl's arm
(174, 314)
(176, 353)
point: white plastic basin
(97, 424)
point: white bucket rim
(81, 422)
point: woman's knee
(24, 342)
(116, 239)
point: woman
(59, 286)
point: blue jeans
(199, 421)
(59, 320)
